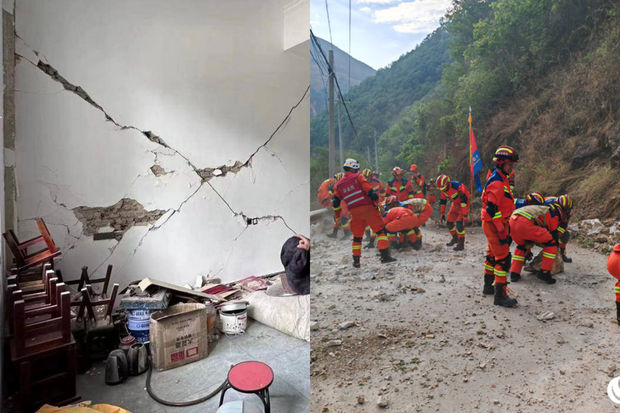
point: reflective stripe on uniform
(518, 258)
(382, 238)
(550, 256)
(561, 230)
(359, 191)
(497, 215)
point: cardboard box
(179, 335)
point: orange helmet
(397, 171)
(442, 182)
(413, 167)
(565, 202)
(505, 153)
(535, 198)
(366, 173)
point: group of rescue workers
(394, 213)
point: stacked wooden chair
(42, 348)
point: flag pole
(471, 169)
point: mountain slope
(377, 101)
(318, 74)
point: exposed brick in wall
(120, 216)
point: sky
(381, 30)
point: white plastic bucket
(233, 322)
(138, 324)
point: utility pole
(340, 151)
(332, 146)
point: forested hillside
(540, 75)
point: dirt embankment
(418, 335)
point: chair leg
(226, 387)
(264, 396)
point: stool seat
(250, 376)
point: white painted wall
(214, 80)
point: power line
(349, 78)
(331, 41)
(332, 72)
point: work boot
(371, 243)
(488, 284)
(502, 298)
(460, 245)
(385, 256)
(417, 245)
(566, 259)
(333, 234)
(454, 241)
(356, 261)
(514, 277)
(545, 276)
(618, 311)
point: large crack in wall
(129, 212)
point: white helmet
(351, 163)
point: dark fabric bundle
(296, 262)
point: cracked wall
(172, 125)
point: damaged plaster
(120, 216)
(224, 165)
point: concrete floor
(287, 356)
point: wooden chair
(85, 280)
(25, 260)
(100, 335)
(43, 354)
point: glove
(443, 219)
(504, 239)
(551, 243)
(372, 195)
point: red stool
(250, 377)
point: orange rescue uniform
(353, 189)
(497, 206)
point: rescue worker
(345, 217)
(399, 185)
(358, 194)
(534, 224)
(459, 208)
(377, 185)
(402, 221)
(497, 207)
(567, 206)
(613, 266)
(418, 183)
(533, 198)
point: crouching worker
(295, 256)
(534, 224)
(403, 221)
(360, 198)
(613, 266)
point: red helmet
(397, 171)
(505, 153)
(442, 182)
(413, 167)
(535, 198)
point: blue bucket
(139, 324)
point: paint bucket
(138, 324)
(234, 317)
